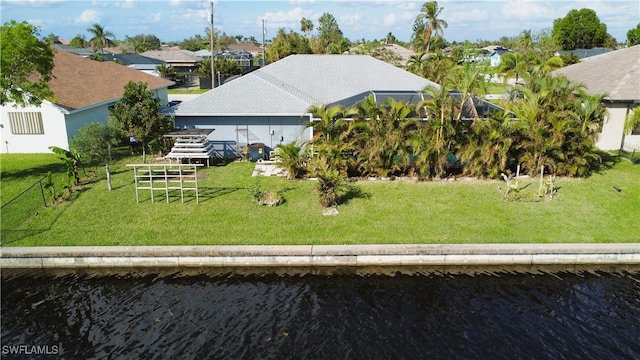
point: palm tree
(632, 121)
(328, 122)
(100, 38)
(292, 159)
(417, 63)
(429, 16)
(490, 149)
(386, 150)
(525, 41)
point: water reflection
(490, 316)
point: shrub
(330, 182)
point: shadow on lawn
(210, 193)
(13, 233)
(607, 161)
(35, 171)
(353, 192)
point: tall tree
(78, 41)
(26, 65)
(525, 41)
(329, 32)
(51, 39)
(432, 24)
(287, 43)
(580, 29)
(100, 38)
(142, 42)
(633, 36)
(306, 26)
(137, 115)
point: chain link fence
(18, 212)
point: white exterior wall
(78, 119)
(53, 122)
(233, 132)
(612, 130)
(58, 126)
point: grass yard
(375, 212)
(496, 88)
(187, 91)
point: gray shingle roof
(290, 86)
(171, 56)
(616, 73)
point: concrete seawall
(349, 257)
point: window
(26, 123)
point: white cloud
(390, 20)
(34, 3)
(88, 16)
(288, 20)
(154, 18)
(128, 4)
(351, 19)
(467, 17)
(191, 16)
(174, 3)
(302, 2)
(524, 10)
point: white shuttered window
(26, 123)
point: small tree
(167, 71)
(93, 143)
(292, 159)
(137, 115)
(72, 161)
(330, 182)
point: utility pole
(213, 58)
(264, 54)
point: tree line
(548, 122)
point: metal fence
(18, 212)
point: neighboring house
(242, 57)
(616, 74)
(182, 61)
(584, 54)
(203, 53)
(254, 50)
(270, 105)
(495, 57)
(84, 90)
(391, 53)
(84, 52)
(400, 51)
(143, 63)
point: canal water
(499, 315)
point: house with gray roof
(182, 61)
(270, 105)
(135, 61)
(616, 74)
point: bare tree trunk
(106, 166)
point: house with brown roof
(84, 90)
(616, 74)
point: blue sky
(175, 20)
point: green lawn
(583, 210)
(496, 88)
(187, 91)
